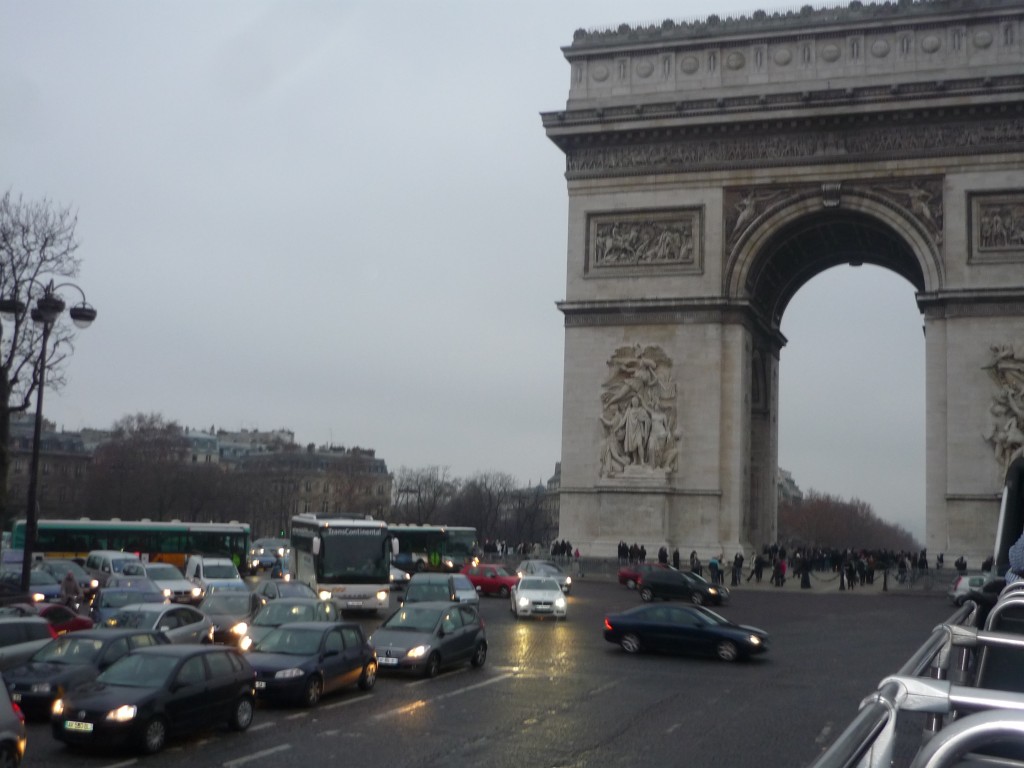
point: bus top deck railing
(973, 717)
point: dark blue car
(689, 629)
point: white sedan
(538, 596)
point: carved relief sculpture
(1006, 431)
(638, 416)
(997, 227)
(640, 241)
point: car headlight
(245, 643)
(754, 640)
(240, 628)
(523, 602)
(712, 591)
(196, 592)
(167, 593)
(58, 707)
(325, 595)
(418, 652)
(568, 580)
(38, 597)
(560, 602)
(94, 584)
(123, 714)
(284, 674)
(382, 596)
(287, 577)
(41, 688)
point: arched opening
(847, 417)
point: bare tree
(488, 498)
(37, 245)
(419, 494)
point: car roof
(109, 633)
(319, 626)
(298, 600)
(184, 649)
(430, 578)
(436, 605)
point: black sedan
(670, 584)
(683, 629)
(69, 660)
(300, 662)
(231, 612)
(151, 693)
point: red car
(491, 579)
(630, 575)
(61, 618)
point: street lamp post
(48, 308)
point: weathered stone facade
(714, 168)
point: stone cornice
(994, 302)
(794, 21)
(852, 139)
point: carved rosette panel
(997, 227)
(1005, 431)
(641, 242)
(638, 414)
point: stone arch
(799, 238)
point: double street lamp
(48, 308)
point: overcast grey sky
(344, 219)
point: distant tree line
(821, 520)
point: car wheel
(369, 677)
(433, 666)
(697, 598)
(314, 690)
(479, 655)
(646, 594)
(241, 718)
(503, 592)
(8, 756)
(154, 736)
(726, 650)
(630, 643)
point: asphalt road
(556, 695)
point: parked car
(22, 636)
(426, 637)
(545, 568)
(69, 660)
(155, 692)
(59, 569)
(670, 584)
(109, 601)
(173, 583)
(441, 587)
(686, 629)
(101, 564)
(491, 579)
(538, 596)
(285, 611)
(231, 612)
(206, 572)
(271, 589)
(13, 734)
(631, 573)
(181, 623)
(300, 662)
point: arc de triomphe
(715, 167)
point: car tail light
(608, 624)
(17, 711)
(956, 584)
(53, 631)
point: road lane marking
(345, 702)
(424, 702)
(256, 755)
(122, 765)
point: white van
(101, 564)
(213, 572)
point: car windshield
(134, 619)
(41, 578)
(276, 613)
(139, 671)
(710, 617)
(221, 571)
(413, 620)
(295, 589)
(69, 650)
(426, 592)
(164, 572)
(63, 566)
(226, 602)
(463, 583)
(118, 565)
(292, 642)
(539, 585)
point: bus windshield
(357, 553)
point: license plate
(355, 603)
(15, 697)
(261, 684)
(74, 725)
(388, 661)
